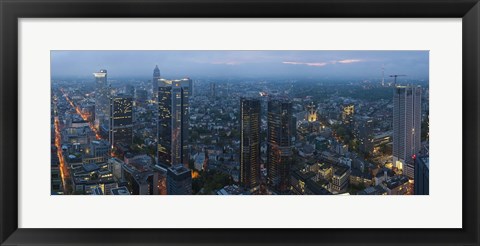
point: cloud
(229, 63)
(322, 64)
(347, 61)
(312, 64)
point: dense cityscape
(239, 136)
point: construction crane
(395, 78)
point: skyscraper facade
(179, 180)
(279, 143)
(249, 142)
(156, 77)
(173, 122)
(365, 136)
(406, 126)
(213, 93)
(102, 100)
(121, 120)
(422, 180)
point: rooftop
(340, 170)
(230, 190)
(396, 181)
(179, 169)
(373, 190)
(90, 167)
(120, 191)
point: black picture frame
(11, 10)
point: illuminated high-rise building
(249, 142)
(406, 126)
(156, 77)
(121, 120)
(279, 143)
(173, 122)
(102, 100)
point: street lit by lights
(84, 116)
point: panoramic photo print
(231, 122)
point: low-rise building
(397, 185)
(120, 191)
(340, 179)
(373, 190)
(359, 178)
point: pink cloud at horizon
(322, 64)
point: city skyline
(289, 64)
(188, 135)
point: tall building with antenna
(156, 77)
(102, 100)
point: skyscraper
(406, 126)
(121, 120)
(102, 100)
(179, 180)
(249, 142)
(421, 184)
(156, 77)
(212, 90)
(365, 135)
(173, 122)
(279, 143)
(129, 90)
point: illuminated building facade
(406, 125)
(173, 122)
(340, 178)
(102, 100)
(121, 120)
(347, 114)
(365, 136)
(279, 143)
(249, 142)
(311, 112)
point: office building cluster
(161, 136)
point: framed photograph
(239, 122)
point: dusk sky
(290, 64)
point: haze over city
(244, 64)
